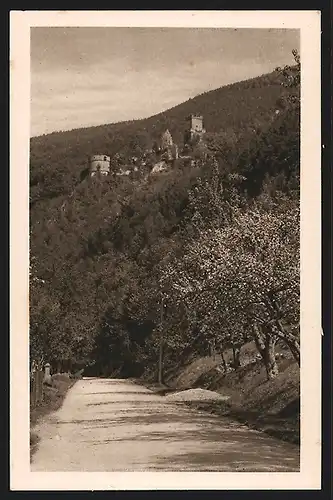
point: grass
(271, 406)
(53, 398)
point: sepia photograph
(164, 249)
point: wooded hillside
(122, 268)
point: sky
(84, 76)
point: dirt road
(116, 425)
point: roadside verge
(54, 396)
(271, 406)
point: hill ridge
(156, 115)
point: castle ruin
(195, 128)
(99, 165)
(166, 151)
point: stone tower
(99, 165)
(195, 128)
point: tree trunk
(279, 331)
(269, 358)
(160, 357)
(295, 350)
(211, 348)
(289, 339)
(266, 347)
(236, 357)
(224, 364)
(160, 364)
(59, 367)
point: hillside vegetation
(269, 405)
(235, 111)
(135, 276)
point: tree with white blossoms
(245, 275)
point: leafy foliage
(198, 254)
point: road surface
(115, 425)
